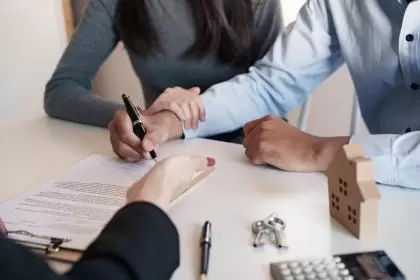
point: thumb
(196, 90)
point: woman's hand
(185, 104)
(160, 127)
(167, 179)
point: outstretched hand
(167, 179)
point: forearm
(72, 102)
(69, 93)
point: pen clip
(132, 110)
(54, 245)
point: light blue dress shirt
(379, 40)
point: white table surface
(233, 197)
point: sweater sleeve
(68, 93)
(139, 243)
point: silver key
(260, 229)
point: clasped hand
(269, 140)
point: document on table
(76, 204)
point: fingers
(198, 112)
(124, 142)
(177, 110)
(185, 104)
(195, 90)
(195, 115)
(154, 137)
(251, 125)
(200, 163)
(187, 114)
(251, 137)
(124, 151)
(202, 110)
(252, 143)
(252, 152)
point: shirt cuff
(379, 149)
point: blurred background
(35, 33)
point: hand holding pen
(160, 128)
(136, 119)
(127, 145)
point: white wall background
(33, 38)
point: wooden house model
(353, 195)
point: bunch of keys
(270, 226)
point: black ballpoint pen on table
(138, 126)
(205, 244)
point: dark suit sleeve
(140, 242)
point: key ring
(275, 222)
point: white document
(75, 205)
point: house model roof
(351, 163)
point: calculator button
(310, 276)
(316, 262)
(330, 266)
(341, 266)
(322, 274)
(308, 269)
(300, 277)
(319, 268)
(337, 259)
(294, 264)
(285, 271)
(333, 272)
(305, 263)
(344, 272)
(349, 277)
(289, 278)
(297, 270)
(326, 260)
(283, 265)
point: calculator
(355, 266)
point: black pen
(138, 126)
(205, 244)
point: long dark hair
(223, 27)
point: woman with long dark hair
(186, 43)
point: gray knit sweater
(69, 93)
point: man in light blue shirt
(379, 40)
